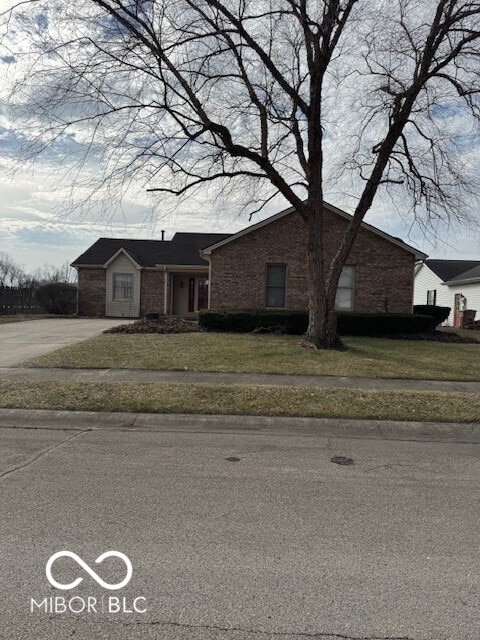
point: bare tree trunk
(322, 320)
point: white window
(344, 299)
(275, 289)
(432, 297)
(122, 286)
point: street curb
(468, 433)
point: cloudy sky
(37, 226)
(39, 222)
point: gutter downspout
(165, 291)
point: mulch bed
(165, 325)
(180, 325)
(434, 336)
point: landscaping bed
(450, 337)
(162, 325)
(349, 323)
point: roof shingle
(182, 249)
(449, 269)
(471, 274)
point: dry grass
(243, 400)
(22, 318)
(246, 353)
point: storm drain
(343, 460)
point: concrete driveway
(20, 341)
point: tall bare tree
(188, 93)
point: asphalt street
(238, 534)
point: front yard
(246, 353)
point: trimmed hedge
(383, 324)
(440, 314)
(296, 322)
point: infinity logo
(87, 569)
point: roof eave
(80, 265)
(463, 281)
(182, 267)
(126, 253)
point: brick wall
(91, 292)
(152, 292)
(383, 271)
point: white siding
(427, 280)
(123, 308)
(471, 293)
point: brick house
(263, 266)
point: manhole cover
(233, 459)
(341, 460)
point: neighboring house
(263, 266)
(445, 282)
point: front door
(202, 293)
(191, 295)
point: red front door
(191, 295)
(202, 293)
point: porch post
(209, 288)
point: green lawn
(365, 357)
(244, 400)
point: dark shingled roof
(182, 249)
(448, 269)
(471, 274)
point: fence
(15, 300)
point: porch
(187, 293)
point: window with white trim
(275, 286)
(345, 289)
(432, 297)
(122, 286)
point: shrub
(296, 322)
(440, 314)
(383, 324)
(59, 298)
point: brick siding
(91, 292)
(152, 292)
(383, 271)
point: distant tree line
(13, 274)
(49, 288)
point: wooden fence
(15, 300)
